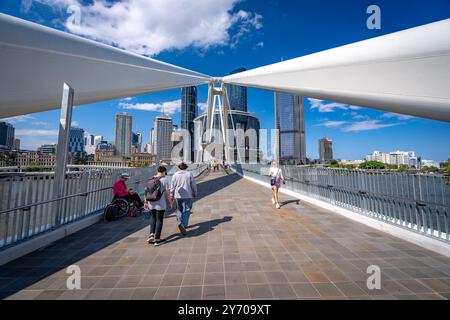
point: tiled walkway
(238, 247)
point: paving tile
(327, 290)
(143, 293)
(214, 278)
(255, 277)
(121, 294)
(260, 291)
(282, 291)
(214, 292)
(237, 291)
(193, 279)
(190, 293)
(171, 280)
(166, 293)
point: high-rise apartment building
(237, 95)
(124, 134)
(162, 135)
(290, 121)
(325, 150)
(6, 135)
(188, 114)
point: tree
(80, 158)
(372, 165)
(446, 173)
(8, 158)
(334, 164)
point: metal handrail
(86, 193)
(421, 203)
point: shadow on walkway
(284, 203)
(213, 185)
(200, 229)
(34, 267)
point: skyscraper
(6, 135)
(237, 95)
(76, 141)
(162, 136)
(188, 114)
(124, 135)
(325, 150)
(137, 141)
(290, 121)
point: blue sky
(246, 34)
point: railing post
(65, 121)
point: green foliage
(80, 158)
(446, 173)
(372, 165)
(9, 158)
(430, 169)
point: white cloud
(18, 119)
(35, 132)
(390, 115)
(324, 106)
(74, 124)
(260, 44)
(202, 107)
(332, 124)
(168, 107)
(151, 26)
(40, 123)
(367, 126)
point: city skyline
(355, 131)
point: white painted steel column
(65, 121)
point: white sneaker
(278, 206)
(151, 239)
(273, 200)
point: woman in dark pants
(159, 207)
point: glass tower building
(188, 114)
(76, 141)
(237, 95)
(124, 134)
(6, 136)
(290, 121)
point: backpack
(111, 212)
(153, 189)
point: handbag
(273, 179)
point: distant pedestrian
(183, 190)
(214, 164)
(157, 196)
(276, 177)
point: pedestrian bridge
(238, 247)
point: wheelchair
(124, 207)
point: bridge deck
(238, 247)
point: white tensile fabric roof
(406, 72)
(35, 61)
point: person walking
(183, 190)
(276, 177)
(157, 196)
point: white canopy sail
(35, 61)
(406, 72)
